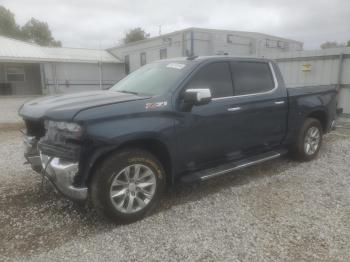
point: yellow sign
(306, 67)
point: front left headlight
(67, 127)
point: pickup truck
(177, 120)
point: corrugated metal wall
(75, 77)
(318, 67)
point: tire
(300, 150)
(115, 176)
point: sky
(103, 23)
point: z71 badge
(156, 105)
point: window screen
(216, 77)
(251, 77)
(15, 74)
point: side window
(251, 77)
(127, 64)
(143, 60)
(216, 77)
(163, 53)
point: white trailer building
(29, 69)
(201, 42)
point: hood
(65, 107)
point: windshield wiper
(128, 92)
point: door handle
(279, 102)
(233, 109)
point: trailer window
(163, 53)
(143, 59)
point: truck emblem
(156, 105)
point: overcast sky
(85, 23)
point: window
(216, 77)
(238, 40)
(271, 43)
(143, 60)
(154, 78)
(127, 64)
(163, 53)
(282, 45)
(15, 74)
(251, 77)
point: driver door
(205, 132)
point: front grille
(68, 152)
(35, 128)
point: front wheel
(127, 185)
(309, 140)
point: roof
(16, 50)
(216, 58)
(247, 33)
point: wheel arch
(321, 116)
(158, 148)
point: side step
(226, 168)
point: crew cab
(177, 120)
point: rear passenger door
(260, 106)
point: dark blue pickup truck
(177, 120)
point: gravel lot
(9, 106)
(278, 211)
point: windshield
(152, 79)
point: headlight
(68, 127)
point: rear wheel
(309, 140)
(127, 185)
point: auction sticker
(176, 66)
(156, 105)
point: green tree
(135, 34)
(8, 25)
(332, 44)
(39, 32)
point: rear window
(251, 77)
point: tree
(39, 33)
(135, 34)
(8, 25)
(333, 44)
(34, 30)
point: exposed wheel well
(158, 149)
(320, 116)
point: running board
(233, 166)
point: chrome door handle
(279, 102)
(233, 109)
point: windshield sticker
(156, 105)
(176, 66)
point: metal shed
(318, 67)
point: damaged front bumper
(58, 170)
(61, 174)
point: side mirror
(200, 96)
